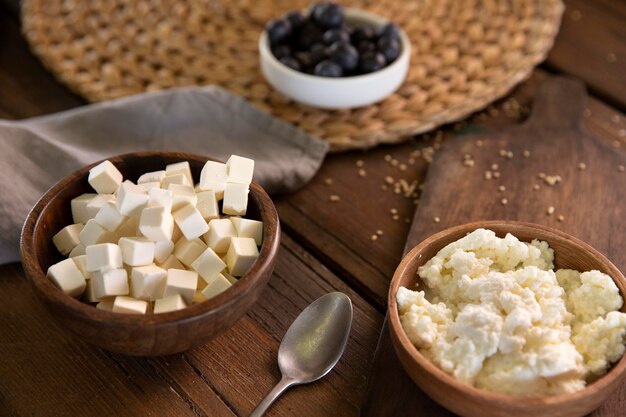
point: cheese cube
(154, 176)
(248, 228)
(241, 255)
(235, 199)
(183, 195)
(79, 207)
(103, 257)
(90, 294)
(148, 282)
(216, 286)
(106, 305)
(109, 283)
(213, 177)
(181, 282)
(171, 262)
(219, 234)
(67, 238)
(147, 186)
(95, 204)
(77, 251)
(131, 199)
(171, 303)
(156, 223)
(162, 250)
(198, 297)
(240, 170)
(208, 265)
(207, 205)
(109, 217)
(93, 234)
(105, 178)
(190, 222)
(188, 251)
(161, 197)
(81, 263)
(128, 228)
(67, 277)
(229, 277)
(176, 179)
(180, 168)
(129, 305)
(137, 251)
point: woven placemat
(466, 54)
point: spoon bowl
(312, 345)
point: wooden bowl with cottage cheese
(466, 399)
(150, 334)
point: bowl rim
(351, 12)
(52, 294)
(617, 371)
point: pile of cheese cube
(161, 244)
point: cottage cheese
(494, 314)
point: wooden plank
(46, 372)
(27, 89)
(592, 46)
(340, 233)
(592, 202)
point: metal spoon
(312, 345)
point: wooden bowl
(152, 334)
(467, 400)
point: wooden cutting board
(590, 197)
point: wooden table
(327, 246)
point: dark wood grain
(466, 400)
(151, 334)
(592, 202)
(591, 45)
(227, 376)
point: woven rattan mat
(466, 54)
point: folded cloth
(36, 153)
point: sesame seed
(575, 15)
(395, 217)
(611, 57)
(388, 158)
(468, 162)
(620, 168)
(397, 191)
(560, 218)
(334, 198)
(328, 181)
(502, 188)
(587, 112)
(494, 167)
(374, 237)
(526, 153)
(615, 118)
(362, 172)
(582, 166)
(509, 155)
(621, 133)
(536, 187)
(407, 220)
(393, 211)
(402, 167)
(416, 201)
(488, 175)
(542, 175)
(504, 201)
(411, 161)
(389, 180)
(467, 156)
(496, 174)
(360, 163)
(502, 152)
(479, 143)
(384, 187)
(379, 232)
(436, 219)
(394, 162)
(550, 210)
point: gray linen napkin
(36, 153)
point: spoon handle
(272, 396)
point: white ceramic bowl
(337, 93)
